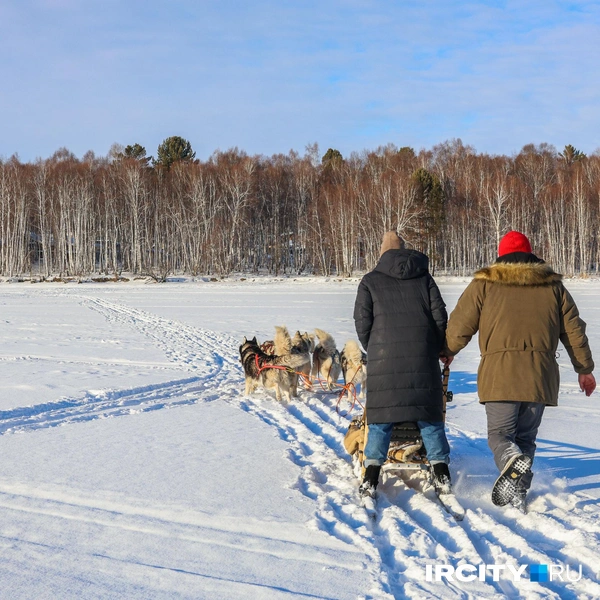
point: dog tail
(282, 341)
(326, 341)
(352, 352)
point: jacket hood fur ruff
(519, 274)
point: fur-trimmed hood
(519, 274)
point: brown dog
(326, 359)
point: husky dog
(354, 366)
(303, 344)
(326, 359)
(268, 370)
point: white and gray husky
(268, 370)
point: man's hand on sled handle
(446, 360)
(587, 384)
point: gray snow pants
(512, 429)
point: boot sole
(505, 487)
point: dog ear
(245, 340)
(253, 340)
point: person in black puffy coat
(401, 320)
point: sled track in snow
(194, 351)
(411, 531)
(102, 405)
(184, 345)
(403, 538)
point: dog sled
(406, 451)
(406, 459)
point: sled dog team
(281, 363)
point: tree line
(292, 214)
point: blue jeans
(434, 440)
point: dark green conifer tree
(173, 149)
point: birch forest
(294, 214)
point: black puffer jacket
(401, 322)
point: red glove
(587, 384)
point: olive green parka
(522, 311)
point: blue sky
(270, 76)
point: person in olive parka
(521, 310)
(400, 320)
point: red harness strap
(280, 367)
(349, 387)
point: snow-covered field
(132, 466)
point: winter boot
(507, 485)
(370, 481)
(440, 478)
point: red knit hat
(513, 241)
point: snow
(134, 467)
